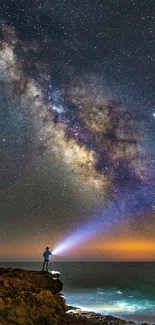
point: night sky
(77, 126)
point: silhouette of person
(46, 256)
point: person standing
(46, 256)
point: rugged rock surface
(30, 297)
(91, 318)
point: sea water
(124, 290)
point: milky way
(97, 138)
(68, 118)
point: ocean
(125, 290)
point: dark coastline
(97, 318)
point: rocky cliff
(30, 298)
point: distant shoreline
(124, 319)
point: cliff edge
(30, 298)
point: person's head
(47, 248)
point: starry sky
(77, 121)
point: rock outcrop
(30, 298)
(91, 318)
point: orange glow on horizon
(128, 250)
(97, 250)
(127, 246)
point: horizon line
(130, 261)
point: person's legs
(47, 265)
(43, 265)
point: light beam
(102, 222)
(122, 207)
